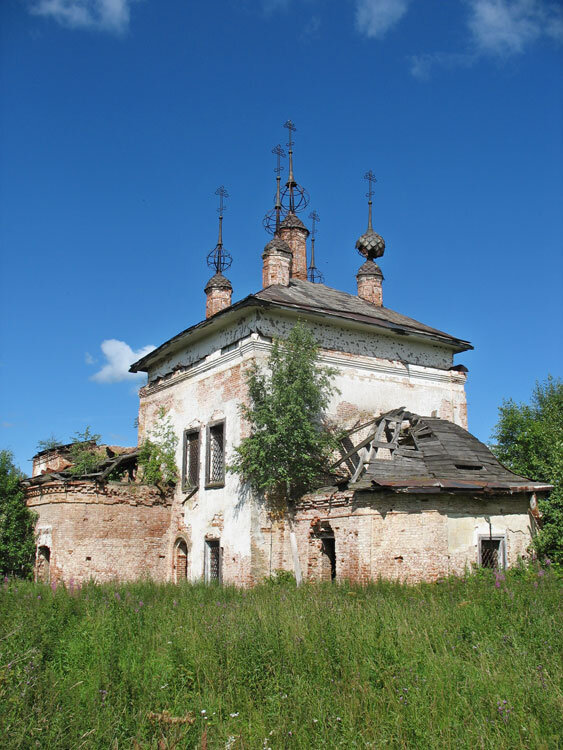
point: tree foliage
(17, 539)
(50, 443)
(529, 441)
(289, 445)
(157, 455)
(84, 453)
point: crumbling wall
(102, 532)
(405, 538)
(207, 393)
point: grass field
(473, 663)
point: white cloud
(89, 359)
(375, 17)
(506, 27)
(120, 357)
(422, 65)
(102, 15)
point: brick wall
(116, 531)
(393, 537)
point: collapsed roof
(404, 452)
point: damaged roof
(315, 299)
(405, 452)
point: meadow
(465, 663)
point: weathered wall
(115, 531)
(332, 335)
(210, 392)
(212, 389)
(395, 537)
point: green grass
(458, 664)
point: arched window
(43, 564)
(181, 560)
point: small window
(213, 561)
(190, 472)
(216, 455)
(491, 552)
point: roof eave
(142, 365)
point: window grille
(216, 454)
(213, 566)
(491, 552)
(191, 459)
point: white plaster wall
(338, 335)
(193, 400)
(512, 522)
(191, 386)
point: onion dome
(371, 245)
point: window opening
(213, 561)
(216, 454)
(491, 552)
(328, 572)
(181, 560)
(191, 459)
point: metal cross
(370, 177)
(222, 193)
(291, 127)
(280, 153)
(315, 218)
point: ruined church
(413, 495)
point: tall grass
(466, 663)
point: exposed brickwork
(296, 238)
(370, 283)
(393, 537)
(276, 268)
(217, 299)
(116, 531)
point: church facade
(415, 496)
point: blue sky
(121, 117)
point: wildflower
(39, 596)
(546, 562)
(174, 603)
(118, 598)
(338, 718)
(541, 572)
(141, 604)
(203, 711)
(53, 586)
(315, 721)
(233, 715)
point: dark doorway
(328, 569)
(43, 564)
